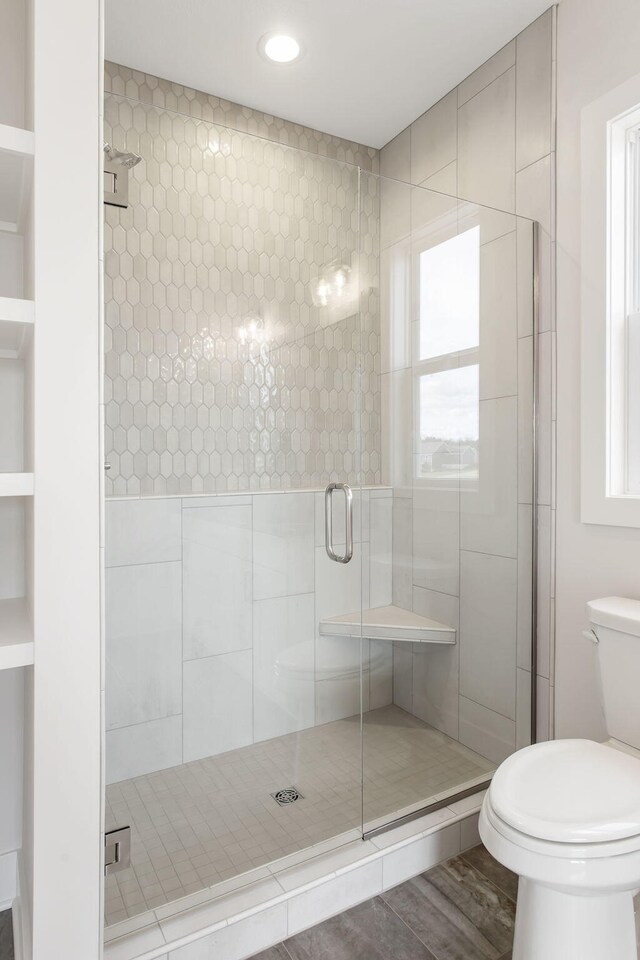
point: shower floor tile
(203, 822)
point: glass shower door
(456, 298)
(235, 363)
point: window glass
(450, 295)
(449, 423)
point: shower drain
(287, 795)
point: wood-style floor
(6, 936)
(461, 910)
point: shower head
(127, 160)
(117, 164)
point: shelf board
(16, 634)
(16, 176)
(16, 484)
(388, 623)
(16, 326)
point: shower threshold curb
(274, 902)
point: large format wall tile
(488, 623)
(525, 534)
(436, 667)
(380, 550)
(488, 733)
(218, 713)
(395, 212)
(340, 589)
(395, 159)
(434, 138)
(490, 70)
(436, 538)
(403, 676)
(525, 419)
(489, 506)
(380, 673)
(444, 181)
(217, 574)
(486, 144)
(498, 318)
(339, 697)
(143, 643)
(143, 748)
(283, 665)
(283, 543)
(533, 194)
(533, 91)
(143, 531)
(402, 584)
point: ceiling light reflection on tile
(334, 292)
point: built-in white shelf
(16, 634)
(16, 326)
(16, 176)
(16, 484)
(388, 623)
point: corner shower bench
(388, 623)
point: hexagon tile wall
(221, 374)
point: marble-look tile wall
(221, 373)
(213, 605)
(459, 556)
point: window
(610, 308)
(446, 365)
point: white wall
(597, 50)
(65, 849)
(11, 706)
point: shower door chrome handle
(328, 522)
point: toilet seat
(554, 849)
(570, 792)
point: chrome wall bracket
(117, 164)
(117, 850)
(116, 184)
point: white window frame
(608, 330)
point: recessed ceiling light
(279, 48)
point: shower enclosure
(319, 405)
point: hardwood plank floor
(371, 931)
(461, 910)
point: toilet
(565, 816)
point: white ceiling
(369, 67)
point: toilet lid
(569, 791)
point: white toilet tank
(616, 623)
